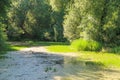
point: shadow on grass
(31, 43)
(85, 63)
(14, 46)
(113, 50)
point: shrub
(86, 45)
(115, 50)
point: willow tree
(91, 19)
(103, 24)
(82, 18)
(72, 20)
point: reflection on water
(74, 69)
(42, 66)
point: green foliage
(55, 20)
(57, 14)
(36, 19)
(111, 26)
(86, 45)
(3, 8)
(72, 21)
(115, 50)
(27, 21)
(83, 17)
(93, 18)
(2, 39)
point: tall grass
(86, 45)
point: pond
(28, 65)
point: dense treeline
(60, 20)
(36, 19)
(94, 19)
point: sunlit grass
(61, 48)
(86, 45)
(16, 48)
(107, 59)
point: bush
(86, 45)
(115, 50)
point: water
(27, 65)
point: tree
(3, 7)
(29, 19)
(38, 19)
(93, 20)
(57, 17)
(111, 24)
(72, 21)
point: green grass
(15, 48)
(60, 48)
(106, 59)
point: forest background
(94, 23)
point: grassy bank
(105, 58)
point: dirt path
(36, 63)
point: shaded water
(27, 65)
